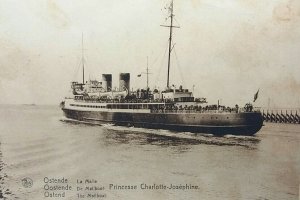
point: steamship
(173, 108)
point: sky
(227, 49)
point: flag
(139, 75)
(256, 95)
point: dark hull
(214, 123)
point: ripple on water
(166, 137)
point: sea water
(42, 154)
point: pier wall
(291, 116)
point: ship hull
(247, 123)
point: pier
(281, 116)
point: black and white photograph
(152, 100)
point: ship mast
(82, 58)
(170, 42)
(147, 74)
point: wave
(189, 137)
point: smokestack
(124, 81)
(107, 82)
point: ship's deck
(157, 107)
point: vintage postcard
(154, 100)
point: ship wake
(175, 138)
(161, 136)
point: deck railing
(170, 108)
(240, 110)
